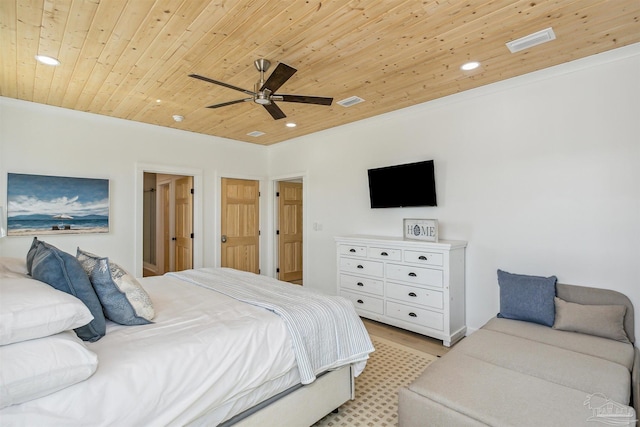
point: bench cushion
(557, 365)
(614, 351)
(498, 396)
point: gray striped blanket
(325, 330)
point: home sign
(421, 229)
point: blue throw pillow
(123, 299)
(528, 298)
(31, 254)
(63, 271)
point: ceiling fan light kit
(264, 93)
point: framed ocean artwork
(41, 204)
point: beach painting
(40, 204)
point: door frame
(302, 176)
(198, 238)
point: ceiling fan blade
(318, 100)
(280, 75)
(216, 82)
(224, 104)
(275, 111)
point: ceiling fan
(264, 93)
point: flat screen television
(411, 184)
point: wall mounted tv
(411, 184)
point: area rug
(390, 367)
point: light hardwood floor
(404, 337)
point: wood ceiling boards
(118, 57)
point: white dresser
(414, 285)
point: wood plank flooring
(404, 337)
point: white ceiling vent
(531, 40)
(352, 100)
(255, 133)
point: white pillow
(36, 368)
(13, 267)
(32, 309)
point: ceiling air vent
(352, 100)
(531, 40)
(255, 133)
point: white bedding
(189, 330)
(326, 331)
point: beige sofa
(516, 373)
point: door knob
(224, 239)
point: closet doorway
(289, 230)
(167, 223)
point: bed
(209, 355)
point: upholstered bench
(520, 373)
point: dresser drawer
(365, 302)
(362, 284)
(385, 254)
(426, 258)
(361, 266)
(352, 250)
(418, 316)
(415, 295)
(417, 275)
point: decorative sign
(421, 229)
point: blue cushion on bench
(528, 298)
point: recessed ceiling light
(158, 101)
(178, 117)
(255, 133)
(47, 60)
(291, 125)
(470, 66)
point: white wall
(540, 174)
(44, 140)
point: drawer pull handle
(412, 274)
(422, 258)
(412, 294)
(360, 284)
(352, 250)
(360, 301)
(412, 314)
(360, 266)
(384, 254)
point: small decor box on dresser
(414, 285)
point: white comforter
(203, 351)
(325, 330)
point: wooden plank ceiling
(131, 58)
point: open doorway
(289, 230)
(167, 223)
